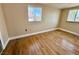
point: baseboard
(6, 44)
(69, 31)
(30, 34)
(25, 35)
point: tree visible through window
(34, 13)
(77, 17)
(73, 15)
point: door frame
(1, 40)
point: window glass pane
(34, 13)
(71, 15)
(37, 14)
(30, 14)
(77, 17)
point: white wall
(17, 19)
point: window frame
(35, 16)
(74, 17)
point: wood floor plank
(50, 43)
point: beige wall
(17, 19)
(68, 25)
(3, 29)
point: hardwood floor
(49, 43)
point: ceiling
(63, 5)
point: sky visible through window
(34, 13)
(37, 11)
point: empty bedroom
(39, 28)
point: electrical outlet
(25, 29)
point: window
(34, 13)
(73, 15)
(77, 17)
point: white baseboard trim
(6, 44)
(25, 35)
(69, 31)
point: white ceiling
(62, 5)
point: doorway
(1, 47)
